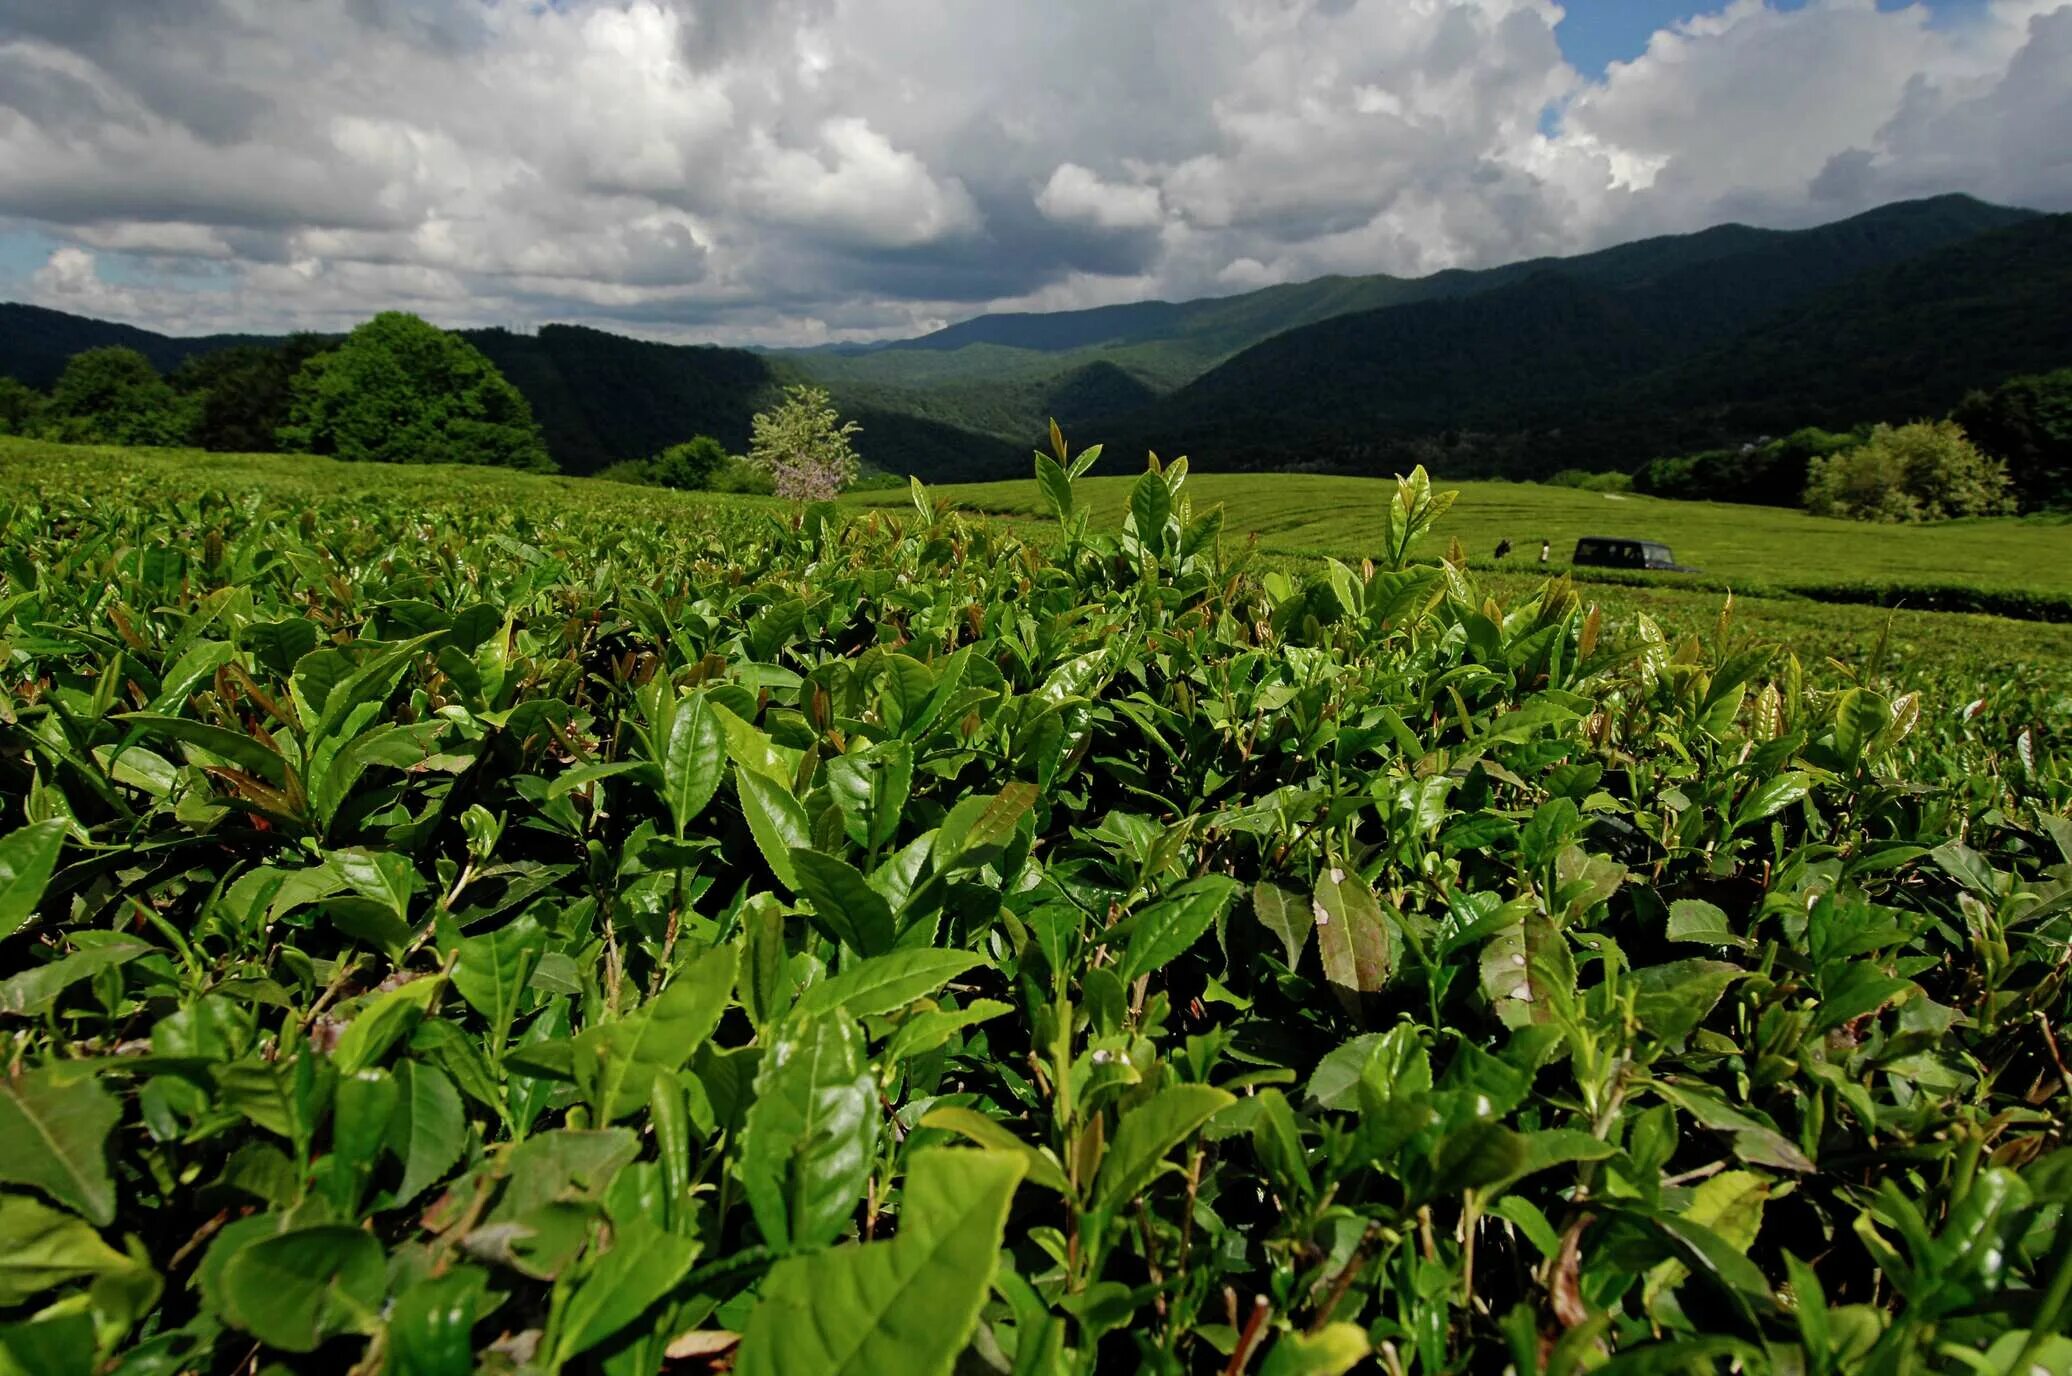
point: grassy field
(1972, 654)
(1309, 514)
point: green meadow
(1311, 514)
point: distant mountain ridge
(1604, 359)
(1706, 282)
(1559, 371)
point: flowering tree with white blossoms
(804, 446)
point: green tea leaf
(618, 1060)
(295, 1289)
(844, 899)
(382, 1023)
(1164, 931)
(643, 1264)
(1151, 506)
(777, 822)
(1147, 1132)
(33, 991)
(978, 829)
(382, 876)
(1287, 914)
(41, 1247)
(884, 983)
(808, 1142)
(54, 1126)
(1671, 1000)
(1056, 487)
(694, 759)
(28, 857)
(1770, 796)
(1693, 919)
(1043, 1168)
(1332, 1350)
(1351, 937)
(871, 789)
(907, 1305)
(428, 1129)
(491, 971)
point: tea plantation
(456, 922)
(2017, 564)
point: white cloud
(812, 169)
(856, 185)
(1076, 196)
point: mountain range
(1601, 360)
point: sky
(805, 171)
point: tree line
(1999, 450)
(395, 390)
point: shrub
(115, 396)
(1766, 472)
(1927, 471)
(1584, 479)
(523, 935)
(689, 466)
(804, 446)
(21, 407)
(399, 390)
(743, 477)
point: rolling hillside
(35, 342)
(984, 373)
(1557, 370)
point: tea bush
(541, 926)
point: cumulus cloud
(803, 170)
(1075, 195)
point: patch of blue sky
(1596, 33)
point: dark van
(1618, 553)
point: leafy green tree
(2027, 421)
(399, 390)
(21, 407)
(1927, 471)
(1765, 473)
(804, 446)
(690, 466)
(115, 396)
(242, 393)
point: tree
(21, 407)
(115, 396)
(1927, 471)
(690, 466)
(241, 394)
(2027, 421)
(398, 390)
(1765, 472)
(804, 446)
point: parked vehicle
(1619, 553)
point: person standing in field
(1546, 548)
